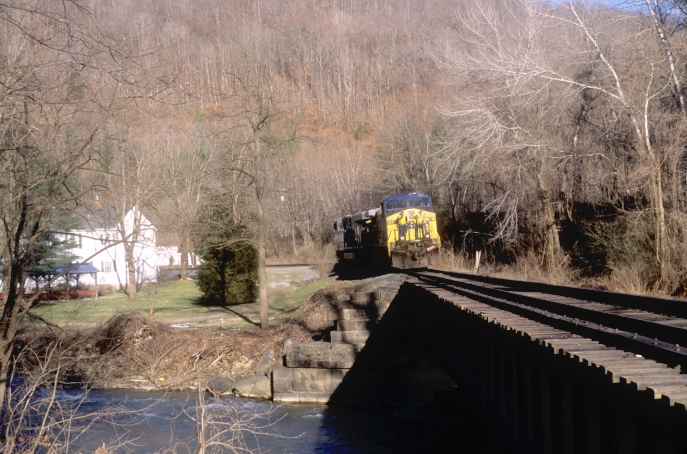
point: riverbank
(132, 350)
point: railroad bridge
(552, 369)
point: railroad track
(642, 340)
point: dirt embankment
(132, 350)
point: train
(401, 232)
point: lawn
(180, 304)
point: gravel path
(308, 272)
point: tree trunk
(293, 239)
(9, 324)
(5, 285)
(669, 53)
(183, 250)
(131, 270)
(259, 182)
(661, 234)
(129, 241)
(552, 245)
(222, 268)
(262, 275)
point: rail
(654, 328)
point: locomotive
(401, 232)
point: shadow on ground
(206, 302)
(344, 272)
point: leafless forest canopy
(550, 133)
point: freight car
(401, 232)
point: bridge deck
(553, 381)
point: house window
(106, 267)
(74, 239)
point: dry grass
(130, 349)
(322, 256)
(630, 277)
(455, 261)
(102, 450)
(530, 267)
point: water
(158, 421)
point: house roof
(85, 268)
(96, 219)
(100, 219)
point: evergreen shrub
(228, 273)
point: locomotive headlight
(403, 238)
(426, 235)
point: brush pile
(132, 350)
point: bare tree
(504, 117)
(45, 138)
(187, 166)
(253, 161)
(255, 138)
(61, 81)
(130, 183)
(521, 55)
(658, 16)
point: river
(158, 421)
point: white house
(98, 241)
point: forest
(550, 134)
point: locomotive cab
(411, 230)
